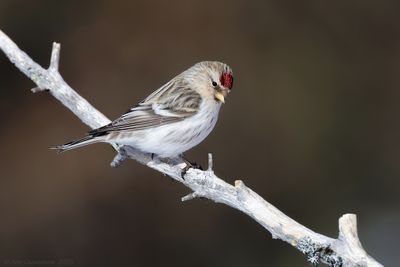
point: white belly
(173, 139)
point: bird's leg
(189, 165)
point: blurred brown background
(312, 125)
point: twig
(346, 250)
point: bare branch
(52, 81)
(343, 251)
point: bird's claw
(188, 166)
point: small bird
(174, 118)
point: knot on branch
(316, 252)
(190, 196)
(43, 81)
(55, 57)
(242, 191)
(348, 231)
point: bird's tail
(87, 140)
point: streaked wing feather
(171, 103)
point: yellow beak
(220, 97)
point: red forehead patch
(227, 80)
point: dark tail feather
(87, 140)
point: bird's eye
(214, 83)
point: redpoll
(174, 118)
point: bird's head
(215, 79)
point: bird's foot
(188, 166)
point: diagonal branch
(346, 250)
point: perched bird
(174, 118)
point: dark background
(312, 125)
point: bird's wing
(171, 103)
